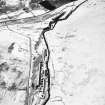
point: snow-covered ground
(78, 57)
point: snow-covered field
(78, 57)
